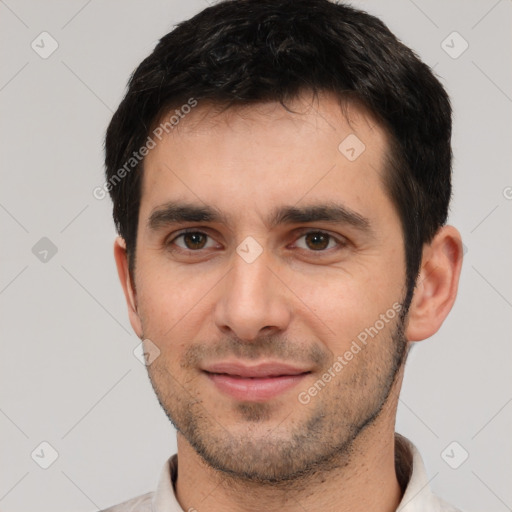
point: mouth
(256, 383)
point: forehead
(247, 159)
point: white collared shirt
(417, 496)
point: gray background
(68, 373)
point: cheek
(335, 303)
(173, 304)
(339, 307)
(162, 303)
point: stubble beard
(298, 448)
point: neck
(365, 480)
(371, 484)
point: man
(280, 173)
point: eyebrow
(177, 212)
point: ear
(437, 284)
(123, 272)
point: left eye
(318, 241)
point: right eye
(193, 241)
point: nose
(253, 301)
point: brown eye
(317, 241)
(320, 242)
(191, 241)
(194, 240)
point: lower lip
(256, 389)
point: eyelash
(341, 242)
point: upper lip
(268, 369)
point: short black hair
(240, 52)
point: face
(269, 273)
